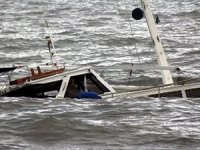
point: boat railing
(178, 83)
(34, 74)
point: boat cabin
(81, 82)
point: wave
(193, 13)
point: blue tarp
(92, 95)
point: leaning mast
(160, 54)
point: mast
(160, 54)
(49, 43)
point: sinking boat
(54, 80)
(84, 82)
(81, 82)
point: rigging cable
(136, 49)
(123, 24)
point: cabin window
(77, 84)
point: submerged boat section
(58, 83)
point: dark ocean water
(100, 32)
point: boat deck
(186, 90)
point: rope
(136, 49)
(132, 33)
(118, 6)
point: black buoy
(137, 14)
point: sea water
(100, 33)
